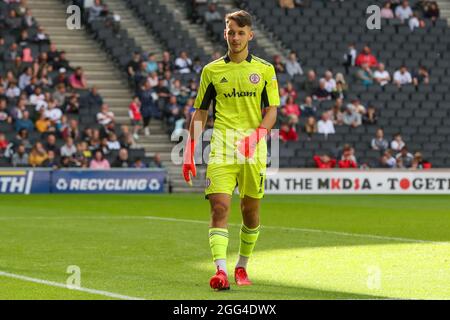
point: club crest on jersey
(254, 78)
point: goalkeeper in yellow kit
(239, 86)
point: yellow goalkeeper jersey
(238, 91)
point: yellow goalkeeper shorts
(249, 178)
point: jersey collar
(227, 58)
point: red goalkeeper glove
(188, 161)
(248, 144)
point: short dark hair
(241, 17)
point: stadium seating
(320, 35)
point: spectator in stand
(212, 14)
(97, 10)
(397, 144)
(168, 65)
(387, 160)
(350, 57)
(156, 162)
(149, 109)
(24, 123)
(183, 64)
(386, 11)
(3, 144)
(293, 66)
(37, 155)
(113, 143)
(365, 75)
(292, 109)
(151, 64)
(348, 159)
(324, 162)
(73, 106)
(352, 117)
(68, 149)
(134, 111)
(370, 117)
(94, 100)
(53, 113)
(5, 116)
(336, 114)
(278, 64)
(105, 117)
(421, 76)
(379, 143)
(419, 163)
(366, 57)
(134, 64)
(325, 125)
(20, 158)
(402, 77)
(43, 124)
(357, 106)
(321, 93)
(78, 80)
(415, 22)
(311, 84)
(62, 77)
(99, 162)
(286, 4)
(36, 96)
(51, 161)
(381, 75)
(288, 132)
(41, 36)
(122, 160)
(51, 145)
(308, 109)
(288, 91)
(139, 164)
(310, 127)
(330, 83)
(60, 95)
(405, 157)
(340, 91)
(432, 11)
(404, 11)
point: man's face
(237, 37)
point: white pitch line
(64, 286)
(336, 233)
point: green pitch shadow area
(156, 247)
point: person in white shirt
(381, 76)
(330, 83)
(292, 65)
(397, 144)
(36, 96)
(53, 113)
(183, 63)
(404, 11)
(402, 76)
(325, 125)
(105, 117)
(414, 22)
(69, 149)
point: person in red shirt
(288, 133)
(135, 115)
(3, 143)
(348, 159)
(366, 57)
(324, 161)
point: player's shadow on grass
(284, 292)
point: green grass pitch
(156, 247)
